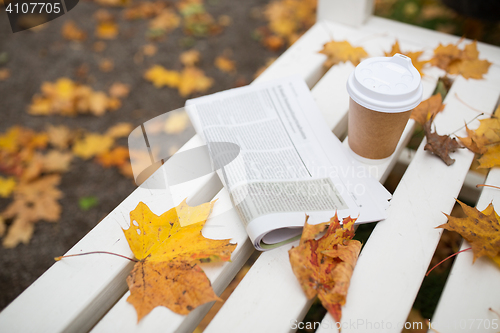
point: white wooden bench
(89, 292)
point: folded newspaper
(288, 163)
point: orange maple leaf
(464, 62)
(427, 109)
(168, 248)
(342, 51)
(480, 229)
(324, 267)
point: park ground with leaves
(88, 78)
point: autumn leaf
(166, 21)
(4, 74)
(342, 51)
(106, 65)
(194, 80)
(161, 77)
(68, 98)
(167, 273)
(196, 20)
(92, 144)
(225, 64)
(115, 157)
(324, 267)
(480, 229)
(59, 136)
(414, 56)
(56, 161)
(190, 58)
(33, 201)
(427, 109)
(490, 158)
(71, 31)
(465, 62)
(107, 30)
(119, 90)
(440, 145)
(7, 185)
(119, 130)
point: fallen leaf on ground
(149, 50)
(427, 109)
(4, 74)
(196, 20)
(167, 273)
(440, 145)
(7, 185)
(59, 136)
(119, 130)
(464, 62)
(190, 58)
(480, 229)
(342, 51)
(92, 144)
(144, 10)
(324, 267)
(119, 90)
(193, 80)
(288, 19)
(33, 201)
(71, 31)
(115, 157)
(107, 30)
(56, 161)
(69, 98)
(106, 65)
(225, 64)
(414, 56)
(176, 122)
(113, 3)
(161, 76)
(166, 21)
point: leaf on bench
(342, 51)
(480, 229)
(324, 267)
(167, 273)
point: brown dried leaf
(440, 145)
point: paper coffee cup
(383, 91)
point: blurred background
(72, 89)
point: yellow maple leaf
(92, 144)
(167, 273)
(161, 76)
(490, 158)
(480, 229)
(7, 185)
(464, 62)
(166, 21)
(342, 51)
(59, 136)
(194, 80)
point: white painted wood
(395, 258)
(271, 275)
(471, 289)
(352, 12)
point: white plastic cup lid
(386, 84)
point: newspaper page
(289, 164)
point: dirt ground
(35, 57)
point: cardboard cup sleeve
(374, 134)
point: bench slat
(395, 258)
(471, 289)
(270, 291)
